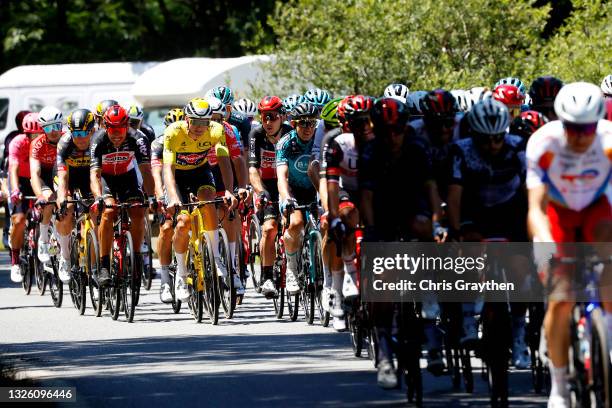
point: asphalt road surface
(166, 359)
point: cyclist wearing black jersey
(73, 162)
(136, 122)
(115, 152)
(262, 175)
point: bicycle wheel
(227, 291)
(254, 253)
(308, 279)
(579, 391)
(93, 266)
(293, 305)
(147, 255)
(114, 301)
(466, 369)
(196, 301)
(78, 277)
(38, 268)
(176, 303)
(56, 287)
(496, 332)
(279, 304)
(601, 362)
(356, 333)
(211, 281)
(26, 273)
(131, 283)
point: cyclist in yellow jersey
(187, 171)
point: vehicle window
(67, 106)
(35, 104)
(155, 118)
(4, 105)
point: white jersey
(574, 180)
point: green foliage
(580, 50)
(360, 46)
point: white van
(67, 87)
(173, 83)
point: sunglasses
(580, 129)
(270, 117)
(495, 138)
(55, 127)
(116, 129)
(135, 122)
(199, 122)
(80, 133)
(307, 123)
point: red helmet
(116, 116)
(389, 112)
(527, 123)
(609, 109)
(544, 90)
(30, 123)
(357, 105)
(438, 103)
(271, 103)
(342, 108)
(509, 95)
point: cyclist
(511, 96)
(242, 116)
(486, 180)
(340, 182)
(397, 91)
(137, 122)
(543, 91)
(317, 97)
(232, 227)
(606, 86)
(393, 152)
(294, 186)
(290, 102)
(568, 203)
(331, 124)
(527, 123)
(73, 162)
(101, 108)
(43, 152)
(5, 176)
(186, 172)
(245, 107)
(19, 186)
(164, 240)
(116, 150)
(262, 176)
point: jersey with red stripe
(117, 160)
(232, 143)
(340, 161)
(574, 180)
(44, 151)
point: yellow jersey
(186, 153)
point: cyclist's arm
(333, 199)
(35, 180)
(366, 211)
(62, 184)
(454, 205)
(431, 187)
(255, 180)
(537, 221)
(226, 172)
(170, 183)
(14, 174)
(156, 173)
(282, 172)
(95, 181)
(241, 171)
(323, 193)
(313, 173)
(254, 164)
(147, 178)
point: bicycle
(590, 362)
(251, 238)
(147, 261)
(31, 267)
(124, 288)
(56, 287)
(202, 279)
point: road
(169, 360)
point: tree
(360, 46)
(580, 50)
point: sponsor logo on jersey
(301, 163)
(190, 158)
(118, 157)
(586, 175)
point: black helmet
(80, 119)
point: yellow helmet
(174, 115)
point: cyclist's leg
(293, 240)
(267, 249)
(64, 226)
(16, 235)
(350, 218)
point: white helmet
(606, 85)
(245, 107)
(475, 95)
(489, 117)
(397, 91)
(216, 105)
(459, 95)
(50, 115)
(414, 101)
(580, 102)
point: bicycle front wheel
(211, 281)
(56, 287)
(254, 253)
(601, 361)
(227, 291)
(131, 283)
(147, 262)
(92, 257)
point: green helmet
(329, 113)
